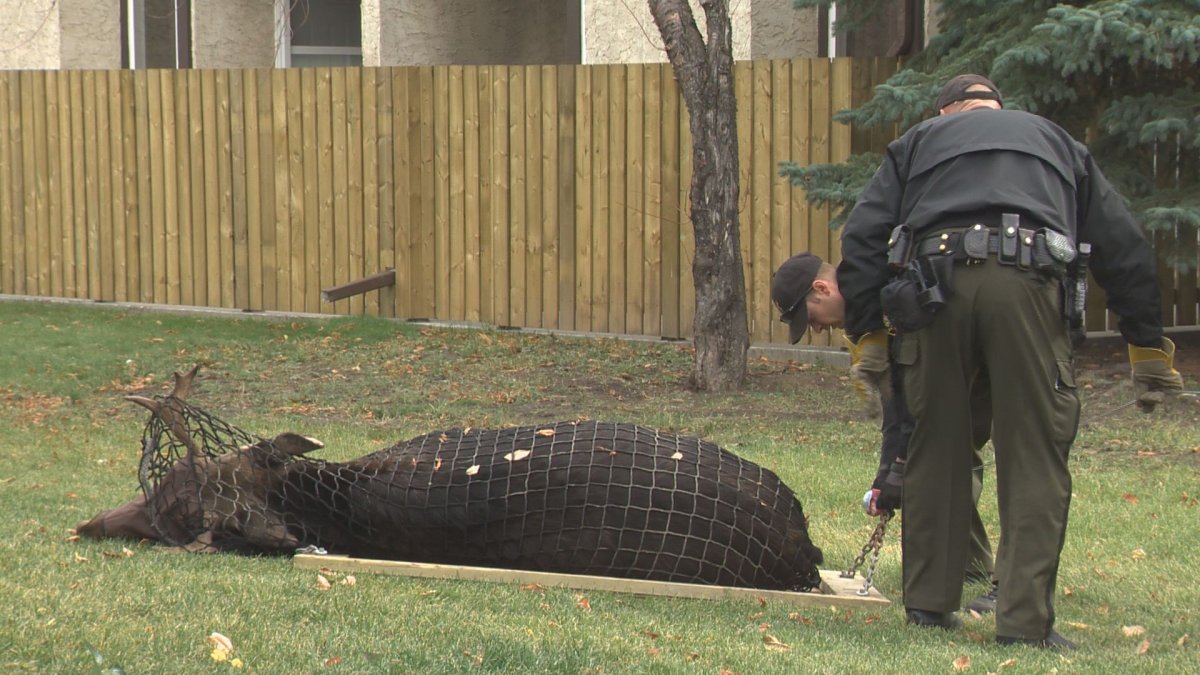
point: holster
(912, 298)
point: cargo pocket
(1066, 404)
(905, 353)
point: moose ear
(292, 444)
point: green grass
(69, 443)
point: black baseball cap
(790, 288)
(956, 90)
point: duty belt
(1010, 246)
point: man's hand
(1154, 374)
(869, 371)
(889, 491)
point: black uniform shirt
(972, 166)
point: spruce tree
(1122, 76)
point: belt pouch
(1025, 249)
(1042, 260)
(974, 242)
(1010, 233)
(899, 247)
(901, 305)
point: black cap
(956, 90)
(789, 290)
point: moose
(584, 497)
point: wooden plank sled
(834, 591)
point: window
(155, 34)
(318, 33)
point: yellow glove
(869, 370)
(1154, 374)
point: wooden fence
(542, 196)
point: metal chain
(873, 547)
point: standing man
(805, 290)
(994, 203)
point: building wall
(29, 34)
(59, 34)
(423, 32)
(233, 34)
(624, 32)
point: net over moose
(584, 497)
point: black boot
(926, 619)
(986, 603)
(1051, 641)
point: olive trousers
(897, 432)
(1006, 323)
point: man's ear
(822, 286)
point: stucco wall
(59, 34)
(624, 32)
(233, 34)
(91, 34)
(29, 34)
(412, 32)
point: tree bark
(704, 70)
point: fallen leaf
(332, 661)
(1078, 625)
(1138, 554)
(437, 464)
(1183, 639)
(962, 663)
(1131, 498)
(773, 643)
(220, 641)
(677, 456)
(762, 602)
(349, 580)
(583, 602)
(1133, 631)
(797, 616)
(426, 594)
(650, 634)
(545, 432)
(1143, 647)
(533, 587)
(323, 583)
(80, 559)
(764, 627)
(472, 470)
(871, 618)
(1007, 664)
(517, 455)
(653, 651)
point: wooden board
(835, 590)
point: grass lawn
(1127, 593)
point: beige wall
(233, 34)
(412, 32)
(59, 34)
(624, 32)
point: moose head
(198, 497)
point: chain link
(873, 547)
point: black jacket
(972, 166)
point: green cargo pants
(1004, 322)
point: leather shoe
(1051, 641)
(925, 619)
(984, 604)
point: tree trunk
(705, 75)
